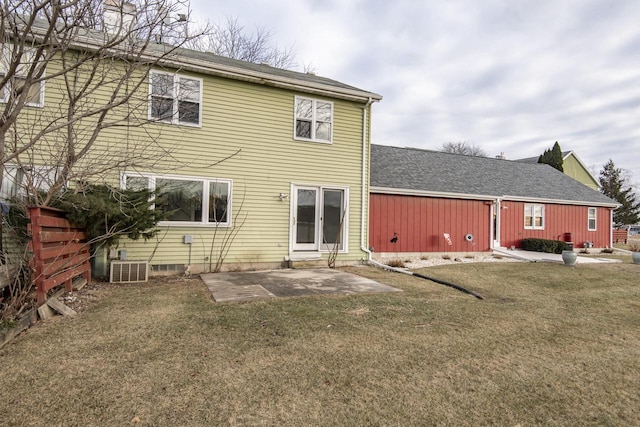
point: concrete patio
(546, 257)
(252, 285)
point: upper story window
(175, 99)
(187, 200)
(591, 219)
(533, 216)
(313, 119)
(16, 82)
(19, 181)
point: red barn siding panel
(422, 221)
(559, 219)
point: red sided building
(430, 201)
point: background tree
(231, 40)
(553, 157)
(463, 147)
(94, 60)
(613, 185)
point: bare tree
(232, 41)
(93, 58)
(463, 147)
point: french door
(319, 218)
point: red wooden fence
(60, 251)
(620, 236)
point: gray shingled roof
(209, 63)
(435, 171)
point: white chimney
(118, 17)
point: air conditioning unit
(129, 271)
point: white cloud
(508, 76)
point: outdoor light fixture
(283, 196)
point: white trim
(533, 207)
(182, 62)
(444, 195)
(4, 91)
(364, 217)
(206, 182)
(314, 121)
(318, 246)
(571, 153)
(595, 219)
(558, 202)
(175, 116)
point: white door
(318, 219)
(305, 219)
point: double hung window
(533, 216)
(175, 99)
(591, 219)
(16, 82)
(313, 119)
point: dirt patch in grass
(549, 345)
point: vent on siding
(129, 271)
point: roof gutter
(560, 202)
(170, 56)
(447, 195)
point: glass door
(306, 219)
(319, 220)
(332, 219)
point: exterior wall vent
(129, 271)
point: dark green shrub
(543, 245)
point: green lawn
(549, 345)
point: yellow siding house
(268, 167)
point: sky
(508, 76)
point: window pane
(303, 129)
(181, 198)
(323, 111)
(218, 202)
(528, 221)
(137, 183)
(189, 112)
(161, 108)
(538, 221)
(304, 109)
(189, 89)
(323, 131)
(33, 96)
(162, 84)
(332, 216)
(10, 182)
(306, 216)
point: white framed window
(591, 219)
(175, 99)
(18, 181)
(11, 180)
(313, 120)
(189, 201)
(533, 216)
(35, 94)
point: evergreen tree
(613, 185)
(553, 157)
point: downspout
(611, 228)
(497, 224)
(365, 181)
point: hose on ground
(422, 276)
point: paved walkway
(545, 257)
(251, 285)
